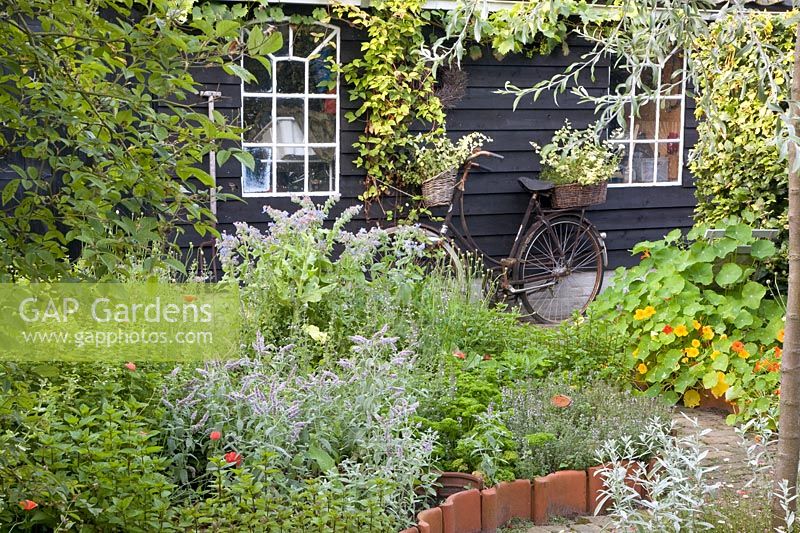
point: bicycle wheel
(560, 266)
(437, 251)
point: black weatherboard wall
(494, 201)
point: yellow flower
(744, 354)
(696, 324)
(720, 388)
(644, 314)
(723, 336)
(642, 368)
(692, 352)
(779, 336)
(691, 398)
(708, 333)
(715, 354)
(315, 333)
(685, 360)
(681, 331)
(695, 343)
(636, 352)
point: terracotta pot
(596, 483)
(450, 483)
(489, 519)
(709, 402)
(461, 512)
(430, 521)
(559, 494)
(412, 529)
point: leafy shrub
(557, 427)
(696, 319)
(355, 416)
(736, 168)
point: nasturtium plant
(698, 318)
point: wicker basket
(439, 189)
(573, 195)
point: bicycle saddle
(532, 185)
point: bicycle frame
(534, 213)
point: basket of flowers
(436, 160)
(579, 164)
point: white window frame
(631, 143)
(274, 96)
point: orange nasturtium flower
(561, 400)
(691, 351)
(691, 398)
(778, 352)
(779, 336)
(696, 324)
(642, 368)
(737, 346)
(644, 314)
(708, 333)
(681, 331)
(645, 254)
(667, 329)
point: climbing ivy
(394, 85)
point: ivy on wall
(737, 169)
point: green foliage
(393, 85)
(736, 163)
(697, 319)
(95, 98)
(551, 436)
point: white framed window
(290, 115)
(652, 139)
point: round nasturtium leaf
(728, 274)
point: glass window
(652, 128)
(290, 115)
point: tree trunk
(789, 424)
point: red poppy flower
(667, 329)
(28, 505)
(561, 400)
(215, 435)
(233, 457)
(130, 366)
(459, 355)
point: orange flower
(737, 346)
(779, 336)
(759, 366)
(774, 367)
(233, 457)
(681, 331)
(667, 329)
(778, 391)
(458, 354)
(487, 357)
(28, 505)
(130, 366)
(778, 352)
(645, 254)
(642, 368)
(215, 435)
(561, 400)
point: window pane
(668, 160)
(669, 120)
(291, 121)
(308, 37)
(622, 175)
(290, 173)
(263, 83)
(321, 121)
(619, 127)
(644, 120)
(284, 51)
(290, 77)
(672, 76)
(320, 169)
(642, 165)
(259, 179)
(322, 79)
(257, 120)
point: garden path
(725, 451)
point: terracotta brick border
(564, 493)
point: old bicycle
(555, 266)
